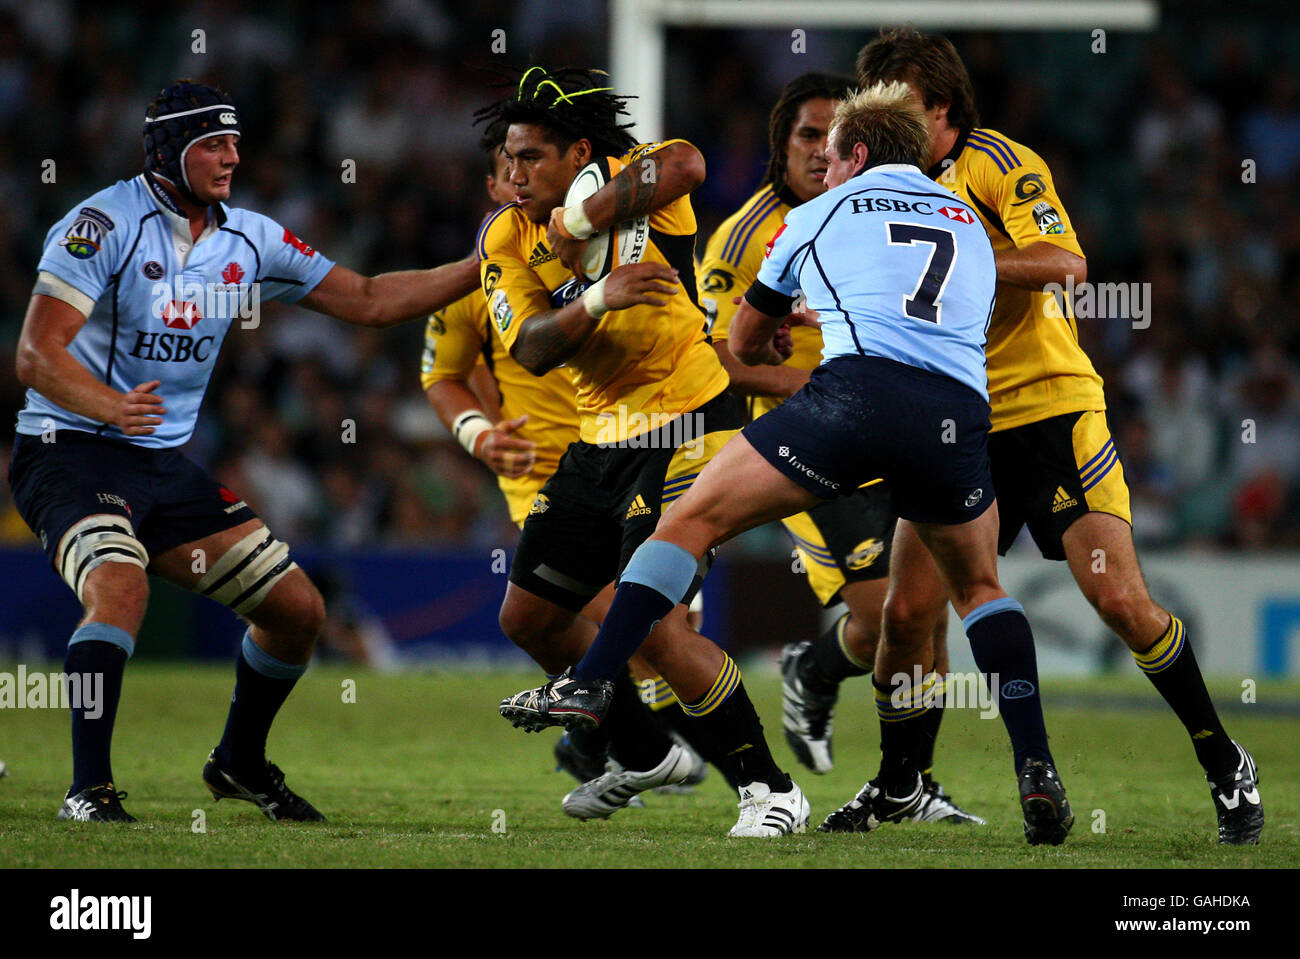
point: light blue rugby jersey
(897, 266)
(161, 312)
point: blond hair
(886, 118)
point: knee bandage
(104, 538)
(247, 571)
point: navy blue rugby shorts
(861, 417)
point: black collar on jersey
(168, 203)
(937, 170)
(786, 195)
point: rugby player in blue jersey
(902, 277)
(136, 291)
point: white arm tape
(576, 222)
(594, 299)
(468, 427)
(50, 285)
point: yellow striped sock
(657, 693)
(726, 683)
(841, 627)
(1162, 654)
(895, 705)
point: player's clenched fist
(637, 283)
(140, 410)
(504, 453)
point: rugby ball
(625, 243)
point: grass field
(420, 772)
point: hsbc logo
(960, 214)
(182, 304)
(181, 315)
(228, 118)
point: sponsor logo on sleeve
(85, 237)
(772, 242)
(501, 311)
(1048, 220)
(297, 244)
(491, 277)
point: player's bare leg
(553, 636)
(1099, 548)
(247, 569)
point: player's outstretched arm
(550, 338)
(1034, 266)
(44, 364)
(391, 298)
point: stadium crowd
(1176, 160)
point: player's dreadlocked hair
(570, 104)
(809, 86)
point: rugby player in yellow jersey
(1055, 467)
(536, 418)
(654, 409)
(844, 543)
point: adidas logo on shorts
(637, 508)
(1062, 500)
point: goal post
(638, 28)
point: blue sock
(655, 580)
(97, 649)
(1003, 646)
(262, 684)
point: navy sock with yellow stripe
(1171, 666)
(636, 740)
(727, 723)
(928, 731)
(903, 713)
(831, 662)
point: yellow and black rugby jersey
(642, 365)
(1035, 364)
(731, 261)
(455, 340)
